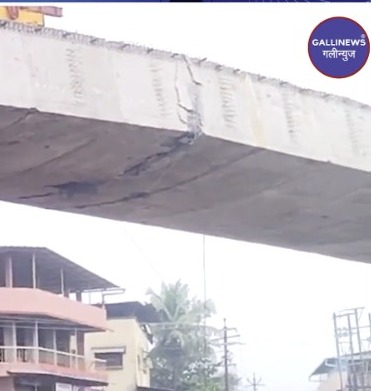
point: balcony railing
(38, 355)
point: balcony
(36, 282)
(36, 302)
(29, 360)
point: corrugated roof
(77, 277)
(332, 363)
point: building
(125, 346)
(29, 15)
(43, 322)
(328, 376)
(351, 372)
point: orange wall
(89, 374)
(6, 384)
(26, 301)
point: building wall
(6, 384)
(36, 302)
(333, 382)
(123, 333)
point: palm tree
(181, 338)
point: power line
(205, 305)
(144, 255)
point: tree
(183, 356)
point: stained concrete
(134, 134)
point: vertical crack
(189, 116)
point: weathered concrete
(123, 132)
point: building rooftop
(326, 366)
(144, 314)
(332, 363)
(49, 267)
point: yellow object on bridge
(29, 15)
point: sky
(280, 301)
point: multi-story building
(43, 322)
(125, 346)
(327, 376)
(351, 372)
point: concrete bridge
(134, 134)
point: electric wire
(144, 256)
(205, 306)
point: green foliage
(183, 356)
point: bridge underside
(179, 144)
(214, 186)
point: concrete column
(80, 341)
(8, 272)
(34, 275)
(55, 358)
(79, 296)
(35, 343)
(63, 290)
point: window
(114, 360)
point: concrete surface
(134, 134)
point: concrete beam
(129, 133)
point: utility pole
(255, 383)
(225, 344)
(226, 358)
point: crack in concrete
(177, 145)
(124, 47)
(178, 99)
(34, 196)
(190, 71)
(252, 197)
(61, 156)
(54, 159)
(28, 113)
(70, 189)
(143, 195)
(194, 118)
(158, 160)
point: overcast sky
(281, 301)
